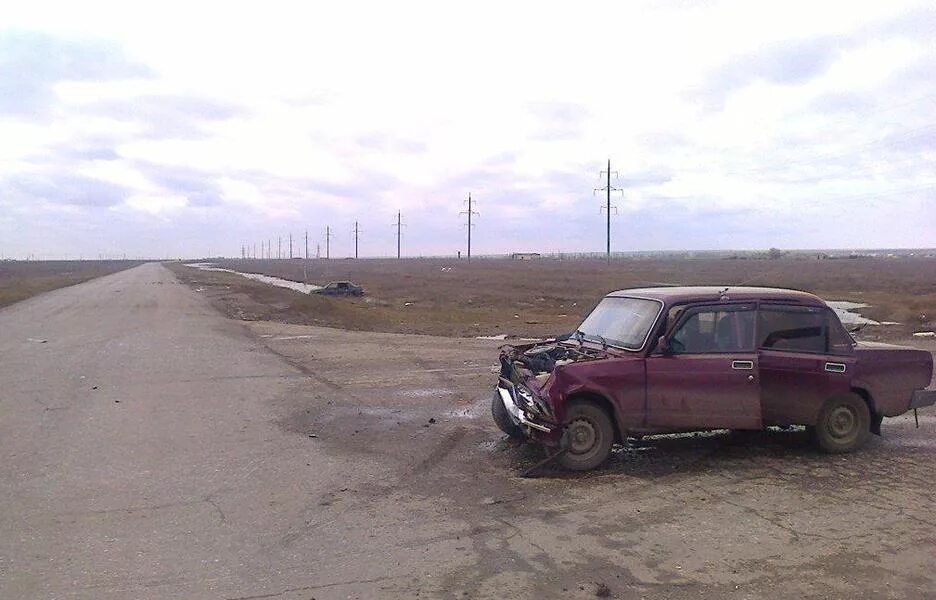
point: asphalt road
(154, 449)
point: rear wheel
(589, 436)
(844, 424)
(502, 418)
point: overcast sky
(184, 129)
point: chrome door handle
(834, 367)
(742, 365)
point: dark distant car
(666, 360)
(341, 288)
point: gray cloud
(786, 63)
(31, 63)
(62, 189)
(168, 116)
(199, 187)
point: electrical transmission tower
(279, 247)
(290, 246)
(357, 230)
(608, 189)
(399, 233)
(307, 244)
(328, 237)
(469, 212)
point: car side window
(714, 331)
(800, 330)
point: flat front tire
(844, 424)
(589, 436)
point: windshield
(623, 322)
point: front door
(708, 378)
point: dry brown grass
(546, 296)
(22, 279)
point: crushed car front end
(526, 386)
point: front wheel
(502, 418)
(844, 424)
(589, 436)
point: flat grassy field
(22, 279)
(542, 297)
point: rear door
(709, 377)
(804, 357)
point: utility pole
(255, 250)
(290, 246)
(357, 230)
(327, 242)
(399, 233)
(279, 247)
(307, 244)
(469, 212)
(318, 250)
(608, 189)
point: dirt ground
(545, 297)
(23, 279)
(695, 515)
(689, 516)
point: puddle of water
(843, 309)
(304, 288)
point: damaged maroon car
(666, 360)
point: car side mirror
(663, 345)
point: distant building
(524, 255)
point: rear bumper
(921, 398)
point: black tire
(589, 436)
(844, 424)
(502, 418)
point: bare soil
(23, 279)
(544, 297)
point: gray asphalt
(141, 455)
(155, 449)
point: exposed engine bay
(541, 358)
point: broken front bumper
(521, 415)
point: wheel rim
(842, 423)
(583, 436)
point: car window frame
(693, 309)
(831, 321)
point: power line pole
(399, 233)
(608, 189)
(469, 212)
(327, 242)
(290, 246)
(307, 244)
(357, 231)
(279, 247)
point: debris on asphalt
(432, 420)
(602, 591)
(312, 435)
(36, 340)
